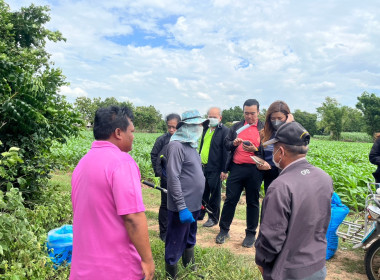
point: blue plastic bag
(60, 244)
(338, 212)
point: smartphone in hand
(257, 160)
(247, 143)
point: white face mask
(213, 122)
(277, 164)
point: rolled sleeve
(126, 189)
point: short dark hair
(172, 117)
(108, 119)
(251, 102)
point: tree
(147, 118)
(369, 104)
(262, 115)
(113, 101)
(232, 114)
(308, 120)
(353, 120)
(87, 106)
(331, 113)
(33, 114)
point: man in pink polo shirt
(109, 225)
(242, 142)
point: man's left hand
(252, 148)
(223, 176)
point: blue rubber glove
(185, 216)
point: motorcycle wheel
(372, 261)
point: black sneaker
(210, 223)
(222, 236)
(248, 241)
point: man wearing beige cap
(295, 212)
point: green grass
(151, 197)
(61, 178)
(212, 263)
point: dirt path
(346, 264)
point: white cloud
(203, 96)
(89, 85)
(318, 86)
(72, 92)
(135, 76)
(175, 82)
(180, 55)
(135, 101)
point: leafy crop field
(68, 155)
(348, 165)
(346, 162)
(350, 137)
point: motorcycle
(367, 235)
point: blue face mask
(213, 122)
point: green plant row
(348, 165)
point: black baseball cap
(291, 133)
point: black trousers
(212, 194)
(163, 211)
(248, 177)
(179, 236)
(269, 176)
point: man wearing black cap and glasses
(295, 212)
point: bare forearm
(137, 229)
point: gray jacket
(295, 216)
(186, 181)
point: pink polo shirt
(105, 185)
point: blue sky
(180, 55)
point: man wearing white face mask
(295, 212)
(214, 156)
(185, 185)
